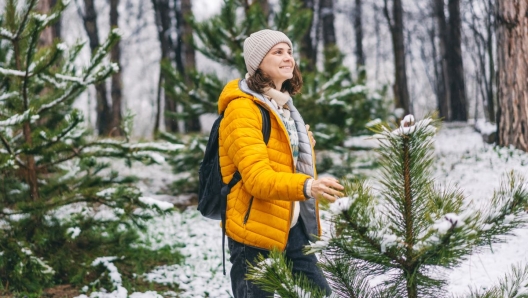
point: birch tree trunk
(512, 80)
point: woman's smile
(280, 56)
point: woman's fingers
(310, 134)
(334, 192)
(327, 188)
(329, 197)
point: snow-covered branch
(13, 72)
(72, 89)
(9, 95)
(4, 33)
(19, 118)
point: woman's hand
(327, 188)
(310, 135)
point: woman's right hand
(327, 188)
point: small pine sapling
(61, 206)
(407, 227)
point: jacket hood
(231, 91)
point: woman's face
(278, 64)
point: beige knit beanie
(258, 44)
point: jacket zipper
(248, 211)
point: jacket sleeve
(241, 130)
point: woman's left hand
(310, 135)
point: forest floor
(463, 159)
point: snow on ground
(201, 275)
(478, 168)
(463, 158)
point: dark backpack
(212, 194)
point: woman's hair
(260, 81)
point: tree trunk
(48, 34)
(162, 12)
(31, 164)
(308, 51)
(56, 28)
(103, 109)
(401, 91)
(264, 4)
(512, 87)
(442, 75)
(187, 35)
(326, 15)
(358, 29)
(46, 38)
(491, 63)
(157, 120)
(52, 32)
(117, 81)
(484, 35)
(455, 64)
(188, 54)
(31, 169)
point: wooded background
(465, 59)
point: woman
(275, 205)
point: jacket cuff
(308, 188)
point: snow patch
(153, 202)
(74, 231)
(341, 205)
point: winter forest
(419, 107)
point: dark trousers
(242, 254)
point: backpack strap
(266, 123)
(226, 189)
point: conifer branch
(57, 139)
(6, 34)
(25, 19)
(372, 242)
(6, 144)
(55, 55)
(421, 258)
(29, 56)
(58, 161)
(70, 92)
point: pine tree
(61, 206)
(344, 105)
(409, 226)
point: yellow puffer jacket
(259, 207)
